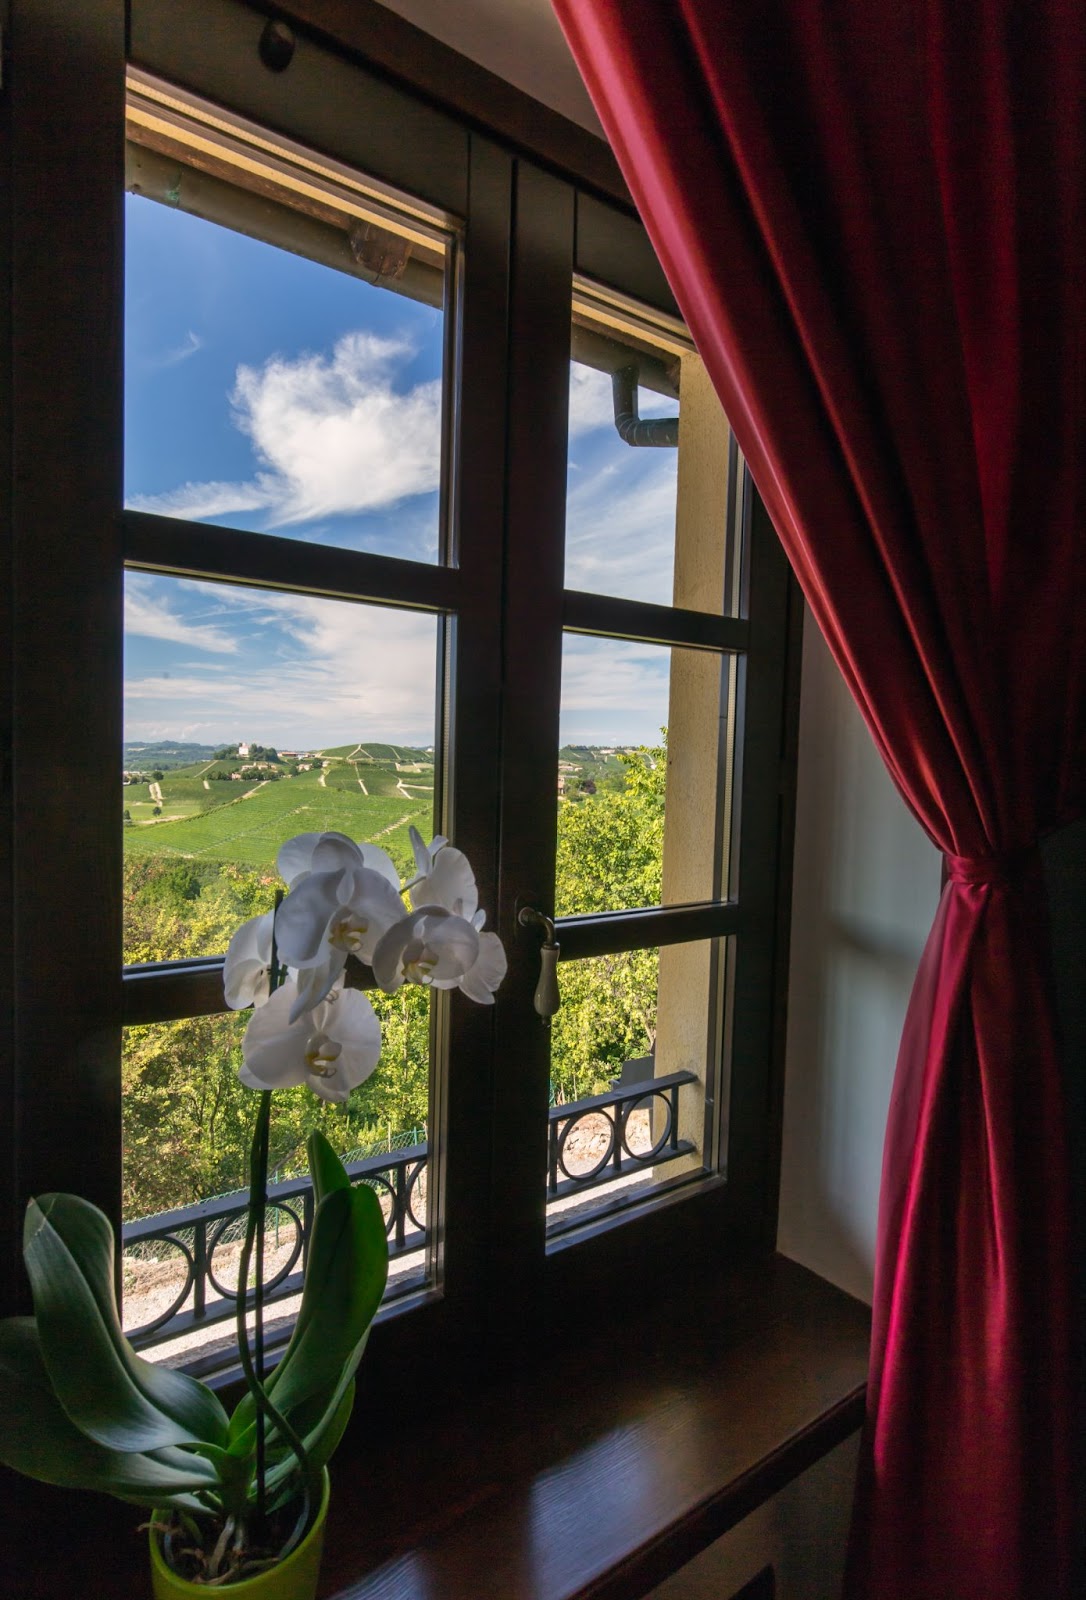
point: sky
(266, 392)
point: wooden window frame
(62, 140)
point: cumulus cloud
(613, 690)
(332, 436)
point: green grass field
(247, 822)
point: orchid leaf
(320, 1446)
(39, 1439)
(110, 1393)
(344, 1282)
(325, 1167)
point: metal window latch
(546, 998)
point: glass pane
(644, 788)
(252, 715)
(284, 352)
(187, 1127)
(635, 1057)
(650, 502)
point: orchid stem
(252, 1362)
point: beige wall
(865, 890)
(801, 1532)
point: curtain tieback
(1009, 868)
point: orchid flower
(317, 852)
(430, 946)
(443, 877)
(247, 972)
(330, 914)
(480, 980)
(332, 1048)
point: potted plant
(238, 1500)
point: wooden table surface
(593, 1478)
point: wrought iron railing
(618, 1158)
(203, 1239)
(197, 1233)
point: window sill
(638, 1449)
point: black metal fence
(197, 1245)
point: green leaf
(320, 1444)
(109, 1392)
(38, 1438)
(344, 1282)
(326, 1169)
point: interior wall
(519, 40)
(865, 890)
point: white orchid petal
(387, 962)
(420, 853)
(245, 970)
(480, 982)
(296, 856)
(334, 851)
(313, 983)
(450, 883)
(378, 860)
(303, 918)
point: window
(318, 256)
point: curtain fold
(872, 217)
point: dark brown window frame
(498, 1273)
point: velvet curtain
(872, 215)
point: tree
(610, 857)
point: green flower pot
(293, 1579)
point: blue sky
(269, 393)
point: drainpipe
(662, 432)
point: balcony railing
(190, 1251)
(195, 1235)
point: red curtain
(872, 215)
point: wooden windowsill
(606, 1471)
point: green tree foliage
(188, 1119)
(610, 857)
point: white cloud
(152, 618)
(620, 528)
(613, 689)
(332, 436)
(317, 672)
(191, 343)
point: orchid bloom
(247, 972)
(337, 907)
(315, 852)
(430, 945)
(443, 877)
(333, 1047)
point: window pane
(250, 716)
(635, 1058)
(644, 791)
(650, 500)
(284, 351)
(188, 1123)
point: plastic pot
(293, 1579)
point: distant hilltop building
(243, 751)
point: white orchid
(443, 877)
(247, 972)
(330, 913)
(430, 945)
(480, 980)
(332, 1047)
(317, 852)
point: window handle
(546, 998)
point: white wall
(865, 890)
